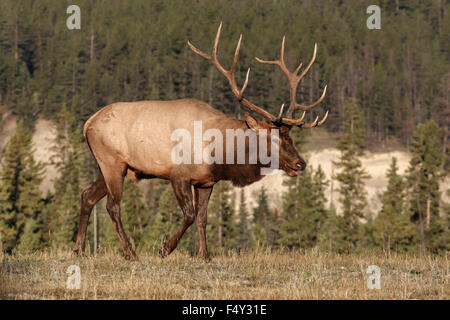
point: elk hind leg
(114, 181)
(89, 197)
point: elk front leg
(201, 205)
(183, 193)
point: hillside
(320, 148)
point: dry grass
(309, 274)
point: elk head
(289, 159)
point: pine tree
(168, 217)
(23, 102)
(423, 177)
(39, 56)
(31, 238)
(134, 216)
(296, 207)
(167, 220)
(68, 160)
(243, 227)
(320, 184)
(133, 212)
(352, 174)
(331, 237)
(264, 231)
(393, 229)
(221, 229)
(20, 197)
(438, 234)
(304, 209)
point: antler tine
(280, 115)
(298, 68)
(294, 79)
(279, 62)
(201, 54)
(315, 123)
(236, 54)
(321, 122)
(282, 50)
(303, 125)
(304, 108)
(303, 116)
(216, 41)
(244, 86)
(310, 63)
(311, 125)
(229, 74)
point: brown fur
(134, 139)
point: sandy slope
(376, 165)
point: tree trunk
(95, 230)
(422, 236)
(439, 17)
(389, 245)
(220, 227)
(332, 186)
(1, 243)
(210, 87)
(428, 213)
(92, 52)
(16, 39)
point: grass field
(310, 274)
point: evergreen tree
(31, 238)
(393, 229)
(423, 177)
(264, 231)
(68, 160)
(296, 207)
(331, 237)
(320, 183)
(243, 225)
(222, 229)
(143, 55)
(20, 197)
(438, 234)
(304, 209)
(352, 174)
(134, 216)
(133, 212)
(42, 65)
(167, 220)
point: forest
(390, 84)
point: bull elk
(134, 138)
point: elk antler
(294, 79)
(229, 74)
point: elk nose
(301, 164)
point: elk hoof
(79, 252)
(205, 257)
(163, 252)
(131, 256)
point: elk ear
(253, 123)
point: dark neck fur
(239, 174)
